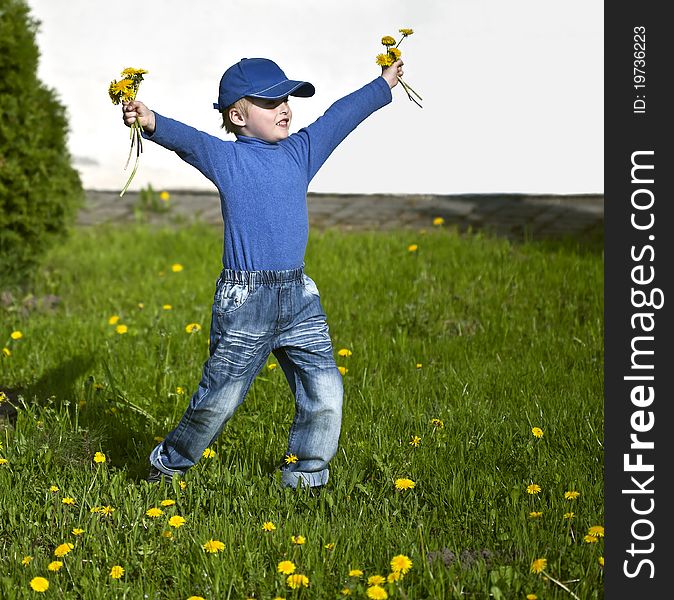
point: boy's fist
(392, 73)
(135, 110)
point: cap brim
(302, 89)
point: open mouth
(283, 123)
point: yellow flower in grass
(167, 502)
(214, 546)
(329, 546)
(113, 320)
(16, 335)
(176, 268)
(415, 441)
(54, 488)
(375, 580)
(180, 390)
(77, 531)
(39, 584)
(183, 484)
(272, 366)
(196, 598)
(54, 565)
(291, 458)
(286, 567)
(99, 457)
(167, 534)
(68, 500)
(106, 511)
(6, 352)
(376, 592)
(355, 573)
(167, 307)
(591, 539)
(596, 531)
(384, 60)
(343, 370)
(394, 576)
(404, 484)
(116, 572)
(297, 580)
(601, 561)
(533, 488)
(571, 495)
(401, 564)
(154, 512)
(121, 329)
(387, 40)
(412, 248)
(176, 521)
(164, 196)
(539, 565)
(3, 461)
(344, 352)
(569, 515)
(298, 539)
(438, 221)
(193, 328)
(419, 365)
(268, 526)
(25, 561)
(63, 549)
(532, 597)
(345, 591)
(537, 431)
(437, 423)
(209, 453)
(535, 514)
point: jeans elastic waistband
(254, 278)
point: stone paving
(510, 215)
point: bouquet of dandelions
(125, 90)
(391, 55)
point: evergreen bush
(40, 191)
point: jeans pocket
(310, 285)
(230, 297)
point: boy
(264, 302)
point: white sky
(513, 90)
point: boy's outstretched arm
(137, 110)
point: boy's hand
(137, 110)
(392, 73)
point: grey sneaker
(157, 476)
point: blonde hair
(242, 106)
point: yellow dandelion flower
(6, 352)
(116, 572)
(345, 591)
(25, 561)
(176, 521)
(532, 597)
(180, 390)
(16, 335)
(394, 576)
(384, 60)
(297, 580)
(329, 546)
(39, 584)
(437, 423)
(167, 502)
(209, 453)
(539, 565)
(121, 329)
(537, 431)
(419, 365)
(355, 573)
(63, 549)
(291, 458)
(158, 438)
(68, 500)
(343, 370)
(176, 268)
(404, 484)
(438, 221)
(596, 531)
(298, 539)
(99, 457)
(141, 305)
(154, 512)
(54, 565)
(601, 561)
(376, 592)
(182, 484)
(164, 196)
(106, 511)
(569, 515)
(95, 509)
(3, 461)
(571, 495)
(192, 328)
(113, 320)
(77, 531)
(533, 488)
(535, 514)
(375, 580)
(268, 526)
(213, 546)
(591, 539)
(344, 352)
(272, 366)
(401, 563)
(196, 598)
(415, 441)
(286, 567)
(130, 72)
(167, 307)
(406, 32)
(412, 248)
(387, 40)
(167, 534)
(54, 488)
(396, 53)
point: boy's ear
(236, 117)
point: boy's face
(268, 120)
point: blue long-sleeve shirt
(263, 185)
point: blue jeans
(256, 313)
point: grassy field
(476, 371)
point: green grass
(509, 336)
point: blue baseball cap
(258, 78)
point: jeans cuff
(155, 461)
(297, 478)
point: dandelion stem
(560, 584)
